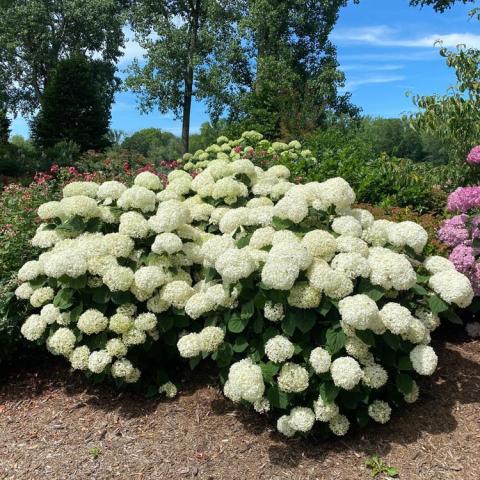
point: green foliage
(155, 144)
(454, 117)
(290, 78)
(35, 35)
(185, 44)
(378, 466)
(4, 127)
(76, 104)
(439, 5)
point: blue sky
(385, 48)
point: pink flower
(464, 199)
(474, 156)
(454, 231)
(463, 258)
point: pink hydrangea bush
(474, 156)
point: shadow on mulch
(457, 380)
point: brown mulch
(55, 425)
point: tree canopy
(36, 34)
(75, 105)
(439, 5)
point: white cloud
(384, 36)
(354, 67)
(353, 84)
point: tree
(154, 143)
(36, 34)
(75, 105)
(184, 41)
(439, 5)
(289, 80)
(455, 117)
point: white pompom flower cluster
(311, 308)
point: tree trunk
(187, 96)
(187, 106)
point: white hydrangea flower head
(92, 321)
(148, 180)
(189, 345)
(353, 265)
(62, 342)
(339, 425)
(33, 328)
(303, 295)
(324, 412)
(391, 270)
(365, 217)
(30, 271)
(346, 372)
(245, 380)
(453, 287)
(380, 411)
(291, 207)
(176, 293)
(119, 279)
(396, 318)
(199, 304)
(50, 210)
(210, 338)
(134, 337)
(134, 225)
(424, 359)
(428, 318)
(139, 198)
(345, 225)
(80, 205)
(122, 368)
(409, 234)
(262, 405)
(133, 376)
(279, 275)
(118, 245)
(301, 419)
(146, 321)
(278, 349)
(320, 360)
(167, 243)
(358, 311)
(437, 264)
(273, 311)
(349, 244)
(283, 426)
(374, 376)
(51, 314)
(41, 296)
(235, 264)
(66, 262)
(293, 378)
(88, 189)
(149, 278)
(79, 358)
(24, 291)
(168, 389)
(320, 243)
(98, 361)
(377, 234)
(116, 348)
(338, 193)
(111, 190)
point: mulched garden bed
(56, 425)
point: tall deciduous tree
(36, 34)
(75, 105)
(184, 41)
(290, 78)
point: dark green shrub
(76, 104)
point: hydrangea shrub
(312, 310)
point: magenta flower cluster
(464, 199)
(459, 232)
(474, 156)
